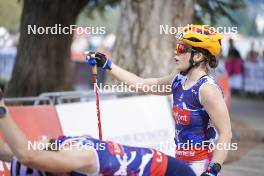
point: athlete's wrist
(98, 59)
(108, 64)
(3, 112)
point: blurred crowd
(8, 38)
(245, 73)
(8, 50)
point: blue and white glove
(212, 170)
(99, 59)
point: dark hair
(209, 58)
(213, 63)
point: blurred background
(131, 35)
(51, 69)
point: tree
(140, 46)
(42, 62)
(216, 9)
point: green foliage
(246, 22)
(209, 11)
(101, 12)
(10, 12)
(212, 12)
(109, 19)
(107, 12)
(245, 18)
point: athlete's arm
(214, 104)
(61, 161)
(157, 86)
(5, 152)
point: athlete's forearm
(124, 76)
(156, 86)
(5, 152)
(16, 140)
(222, 146)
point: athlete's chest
(187, 110)
(186, 98)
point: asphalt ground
(247, 118)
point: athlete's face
(182, 56)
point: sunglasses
(181, 49)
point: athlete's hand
(99, 59)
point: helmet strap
(192, 64)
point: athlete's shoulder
(208, 79)
(210, 92)
(210, 82)
(208, 87)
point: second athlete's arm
(66, 160)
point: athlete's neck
(195, 74)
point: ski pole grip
(90, 53)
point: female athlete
(201, 117)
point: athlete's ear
(198, 57)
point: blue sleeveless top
(192, 122)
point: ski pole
(91, 61)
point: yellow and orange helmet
(201, 36)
